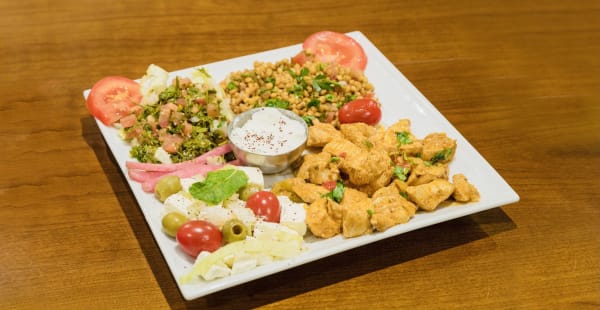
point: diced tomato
(329, 185)
(128, 120)
(171, 143)
(113, 98)
(163, 117)
(187, 129)
(329, 46)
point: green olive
(248, 190)
(234, 230)
(172, 221)
(166, 187)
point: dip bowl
(269, 162)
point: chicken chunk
(390, 208)
(362, 166)
(464, 190)
(320, 134)
(355, 213)
(383, 180)
(309, 192)
(318, 168)
(398, 139)
(422, 174)
(298, 190)
(357, 133)
(437, 147)
(429, 196)
(321, 218)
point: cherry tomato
(329, 46)
(113, 98)
(197, 236)
(363, 110)
(265, 205)
(329, 185)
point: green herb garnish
(277, 103)
(321, 82)
(337, 193)
(219, 185)
(403, 138)
(401, 172)
(308, 119)
(442, 155)
(313, 103)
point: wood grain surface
(519, 79)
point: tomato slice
(113, 98)
(364, 110)
(329, 46)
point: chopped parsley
(337, 193)
(440, 156)
(277, 103)
(403, 138)
(321, 82)
(401, 172)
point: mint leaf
(219, 185)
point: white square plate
(399, 99)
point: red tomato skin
(364, 110)
(300, 58)
(113, 98)
(329, 46)
(265, 205)
(198, 235)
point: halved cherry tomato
(265, 205)
(113, 98)
(198, 235)
(329, 46)
(362, 110)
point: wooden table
(519, 79)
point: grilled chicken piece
(464, 190)
(437, 147)
(357, 133)
(318, 168)
(298, 190)
(362, 166)
(355, 213)
(429, 196)
(383, 180)
(309, 192)
(320, 134)
(422, 174)
(390, 208)
(389, 140)
(323, 218)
